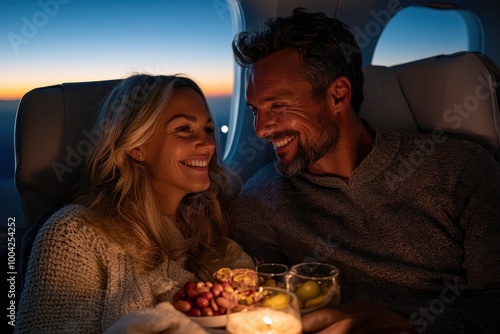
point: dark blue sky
(45, 42)
(416, 33)
(52, 41)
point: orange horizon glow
(17, 92)
(12, 95)
(217, 89)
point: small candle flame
(267, 320)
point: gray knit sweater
(415, 228)
(79, 282)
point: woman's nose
(206, 141)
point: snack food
(212, 298)
(311, 294)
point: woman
(150, 215)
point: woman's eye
(183, 129)
(209, 130)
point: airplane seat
(456, 93)
(52, 137)
(384, 104)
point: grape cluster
(197, 299)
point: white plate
(211, 321)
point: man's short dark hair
(327, 47)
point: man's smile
(282, 142)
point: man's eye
(278, 107)
(209, 129)
(253, 110)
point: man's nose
(265, 123)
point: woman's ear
(136, 154)
(339, 93)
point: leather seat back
(52, 138)
(456, 93)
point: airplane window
(47, 42)
(418, 32)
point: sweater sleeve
(65, 281)
(235, 257)
(254, 216)
(257, 237)
(480, 221)
(240, 259)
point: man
(425, 246)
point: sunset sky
(53, 41)
(46, 42)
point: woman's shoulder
(68, 217)
(68, 224)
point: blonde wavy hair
(118, 192)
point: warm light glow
(214, 89)
(264, 321)
(16, 87)
(15, 90)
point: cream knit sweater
(79, 282)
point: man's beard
(307, 155)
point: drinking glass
(268, 310)
(271, 274)
(315, 284)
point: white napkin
(163, 318)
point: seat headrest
(384, 104)
(456, 93)
(52, 139)
(461, 89)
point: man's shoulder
(267, 175)
(448, 152)
(441, 142)
(265, 186)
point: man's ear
(339, 94)
(136, 154)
